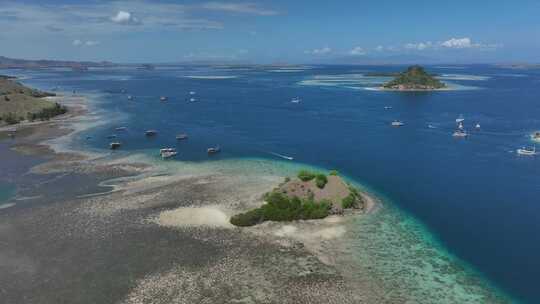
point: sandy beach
(128, 232)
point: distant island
(19, 103)
(415, 78)
(307, 196)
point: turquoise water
(444, 196)
(7, 191)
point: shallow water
(7, 191)
(474, 196)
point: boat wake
(282, 156)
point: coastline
(149, 191)
(169, 205)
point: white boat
(130, 97)
(535, 136)
(387, 107)
(477, 126)
(527, 151)
(397, 123)
(460, 133)
(163, 98)
(168, 152)
(114, 145)
(430, 126)
(214, 150)
(296, 100)
(181, 136)
(192, 93)
(460, 119)
(121, 129)
(150, 132)
(192, 99)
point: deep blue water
(476, 195)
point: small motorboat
(168, 152)
(460, 119)
(477, 126)
(397, 123)
(387, 107)
(296, 100)
(163, 98)
(192, 99)
(121, 129)
(123, 91)
(114, 145)
(182, 136)
(150, 133)
(214, 150)
(130, 97)
(460, 133)
(192, 93)
(112, 136)
(527, 151)
(430, 126)
(536, 136)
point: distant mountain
(6, 62)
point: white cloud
(100, 17)
(91, 43)
(242, 8)
(80, 43)
(322, 51)
(420, 46)
(126, 18)
(459, 43)
(357, 51)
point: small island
(19, 103)
(414, 79)
(308, 196)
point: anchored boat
(397, 123)
(150, 132)
(527, 151)
(182, 136)
(114, 145)
(296, 100)
(214, 150)
(168, 152)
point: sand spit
(195, 217)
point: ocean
(457, 212)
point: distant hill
(414, 78)
(18, 103)
(6, 62)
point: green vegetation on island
(415, 78)
(310, 196)
(19, 103)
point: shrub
(250, 218)
(10, 119)
(334, 172)
(321, 180)
(279, 207)
(305, 175)
(349, 201)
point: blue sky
(272, 31)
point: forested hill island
(308, 196)
(415, 78)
